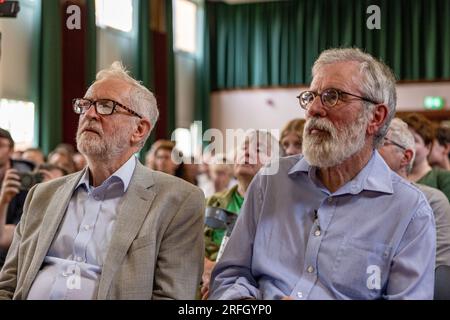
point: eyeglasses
(329, 97)
(393, 143)
(102, 106)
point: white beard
(101, 146)
(329, 149)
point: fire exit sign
(434, 103)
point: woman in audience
(291, 137)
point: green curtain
(144, 57)
(276, 43)
(203, 87)
(91, 43)
(48, 96)
(170, 69)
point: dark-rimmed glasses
(329, 97)
(102, 106)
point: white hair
(399, 133)
(378, 82)
(142, 100)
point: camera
(9, 9)
(29, 179)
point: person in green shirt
(423, 131)
(257, 150)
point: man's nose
(316, 108)
(91, 113)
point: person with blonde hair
(291, 137)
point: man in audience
(336, 223)
(221, 173)
(115, 230)
(79, 161)
(398, 151)
(258, 148)
(423, 131)
(439, 155)
(34, 155)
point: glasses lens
(81, 105)
(330, 97)
(105, 106)
(306, 98)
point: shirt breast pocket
(361, 269)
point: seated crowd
(351, 202)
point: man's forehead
(114, 89)
(338, 74)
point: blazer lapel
(130, 218)
(50, 223)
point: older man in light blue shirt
(336, 223)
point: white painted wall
(273, 108)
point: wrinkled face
(106, 136)
(438, 153)
(291, 144)
(163, 161)
(5, 151)
(422, 150)
(391, 154)
(334, 134)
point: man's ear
(407, 158)
(142, 129)
(379, 117)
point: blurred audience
(291, 137)
(221, 175)
(424, 135)
(79, 161)
(259, 148)
(34, 155)
(62, 158)
(439, 155)
(398, 151)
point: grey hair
(399, 133)
(378, 82)
(142, 100)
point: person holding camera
(11, 197)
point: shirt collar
(375, 176)
(123, 174)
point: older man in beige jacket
(115, 230)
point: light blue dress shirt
(374, 238)
(73, 265)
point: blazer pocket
(141, 242)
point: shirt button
(317, 233)
(300, 294)
(330, 199)
(310, 269)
